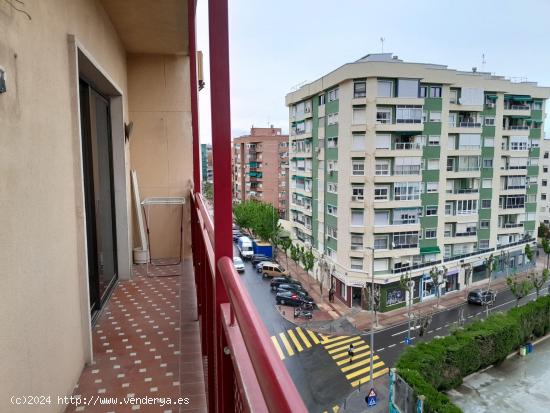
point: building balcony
(510, 228)
(402, 227)
(396, 203)
(463, 172)
(399, 127)
(462, 217)
(399, 101)
(466, 127)
(517, 110)
(457, 107)
(460, 238)
(464, 151)
(516, 130)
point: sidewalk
(337, 318)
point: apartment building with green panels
(396, 167)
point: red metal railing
(249, 375)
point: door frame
(83, 64)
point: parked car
(291, 287)
(294, 299)
(236, 235)
(273, 270)
(256, 258)
(276, 281)
(260, 265)
(480, 297)
(238, 263)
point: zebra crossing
(357, 368)
(295, 340)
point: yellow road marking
(367, 379)
(363, 371)
(335, 409)
(355, 357)
(323, 338)
(339, 343)
(286, 344)
(355, 349)
(313, 337)
(333, 339)
(295, 340)
(345, 346)
(278, 347)
(354, 365)
(303, 337)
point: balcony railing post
(194, 86)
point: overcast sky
(277, 44)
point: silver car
(238, 263)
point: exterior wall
(544, 209)
(161, 143)
(271, 161)
(338, 250)
(45, 337)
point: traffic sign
(371, 398)
(408, 340)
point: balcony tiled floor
(146, 344)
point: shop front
(451, 282)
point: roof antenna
(483, 62)
(382, 42)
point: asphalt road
(319, 381)
(389, 343)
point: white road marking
(430, 332)
(392, 345)
(438, 328)
(404, 331)
(381, 349)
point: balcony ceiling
(151, 27)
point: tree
(295, 253)
(285, 244)
(467, 276)
(519, 288)
(439, 277)
(208, 190)
(407, 283)
(259, 217)
(538, 280)
(546, 249)
(529, 252)
(369, 295)
(544, 231)
(307, 259)
(243, 212)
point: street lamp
(489, 268)
(373, 316)
(408, 282)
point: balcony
(516, 110)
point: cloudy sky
(277, 44)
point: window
(483, 244)
(381, 193)
(321, 122)
(358, 142)
(543, 197)
(545, 169)
(489, 121)
(333, 95)
(321, 100)
(332, 165)
(487, 183)
(406, 216)
(385, 88)
(380, 242)
(531, 198)
(546, 155)
(358, 167)
(433, 140)
(357, 217)
(452, 119)
(519, 143)
(407, 88)
(332, 210)
(435, 91)
(408, 114)
(453, 96)
(383, 141)
(332, 142)
(544, 182)
(432, 187)
(357, 242)
(381, 218)
(406, 191)
(485, 203)
(381, 264)
(383, 115)
(332, 232)
(332, 118)
(358, 192)
(359, 116)
(430, 233)
(423, 91)
(466, 207)
(332, 187)
(431, 210)
(484, 224)
(382, 167)
(356, 263)
(489, 142)
(359, 89)
(469, 141)
(433, 164)
(405, 239)
(435, 116)
(487, 163)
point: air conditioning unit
(307, 110)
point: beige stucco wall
(161, 143)
(44, 340)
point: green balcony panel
(331, 198)
(483, 233)
(430, 176)
(533, 170)
(486, 172)
(531, 207)
(487, 152)
(331, 130)
(529, 225)
(488, 130)
(429, 199)
(485, 213)
(431, 152)
(485, 193)
(532, 189)
(432, 128)
(331, 220)
(332, 244)
(433, 103)
(428, 222)
(536, 115)
(535, 133)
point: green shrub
(440, 364)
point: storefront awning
(492, 97)
(429, 250)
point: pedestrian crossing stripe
(295, 340)
(357, 368)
